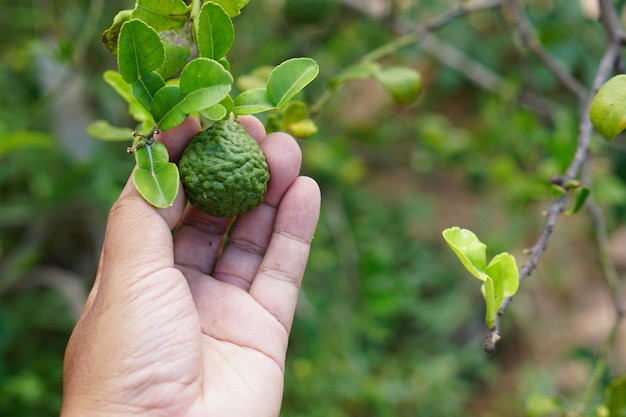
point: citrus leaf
(203, 83)
(146, 87)
(288, 78)
(205, 74)
(215, 32)
(16, 141)
(491, 308)
(616, 397)
(178, 44)
(608, 109)
(103, 130)
(471, 252)
(164, 107)
(216, 112)
(162, 14)
(156, 179)
(232, 7)
(252, 102)
(580, 197)
(140, 50)
(403, 84)
(505, 276)
(136, 110)
(110, 36)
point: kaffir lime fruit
(223, 170)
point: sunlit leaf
(215, 32)
(608, 109)
(471, 252)
(156, 179)
(289, 78)
(162, 14)
(232, 7)
(15, 141)
(252, 102)
(502, 270)
(103, 130)
(491, 307)
(136, 110)
(216, 112)
(616, 397)
(140, 50)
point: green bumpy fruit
(223, 170)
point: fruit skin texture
(223, 170)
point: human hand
(176, 325)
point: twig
(524, 28)
(437, 23)
(611, 54)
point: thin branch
(524, 27)
(611, 54)
(431, 26)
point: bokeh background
(389, 323)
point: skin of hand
(181, 324)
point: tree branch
(611, 54)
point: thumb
(138, 239)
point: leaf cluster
(163, 83)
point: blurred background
(389, 323)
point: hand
(177, 326)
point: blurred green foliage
(387, 325)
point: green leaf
(162, 14)
(216, 112)
(16, 141)
(146, 87)
(164, 107)
(288, 78)
(110, 36)
(178, 44)
(203, 83)
(232, 7)
(136, 110)
(538, 405)
(491, 307)
(215, 32)
(103, 130)
(403, 84)
(156, 179)
(471, 252)
(252, 102)
(608, 109)
(616, 398)
(580, 197)
(505, 276)
(140, 50)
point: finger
(280, 275)
(250, 236)
(138, 237)
(253, 126)
(198, 240)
